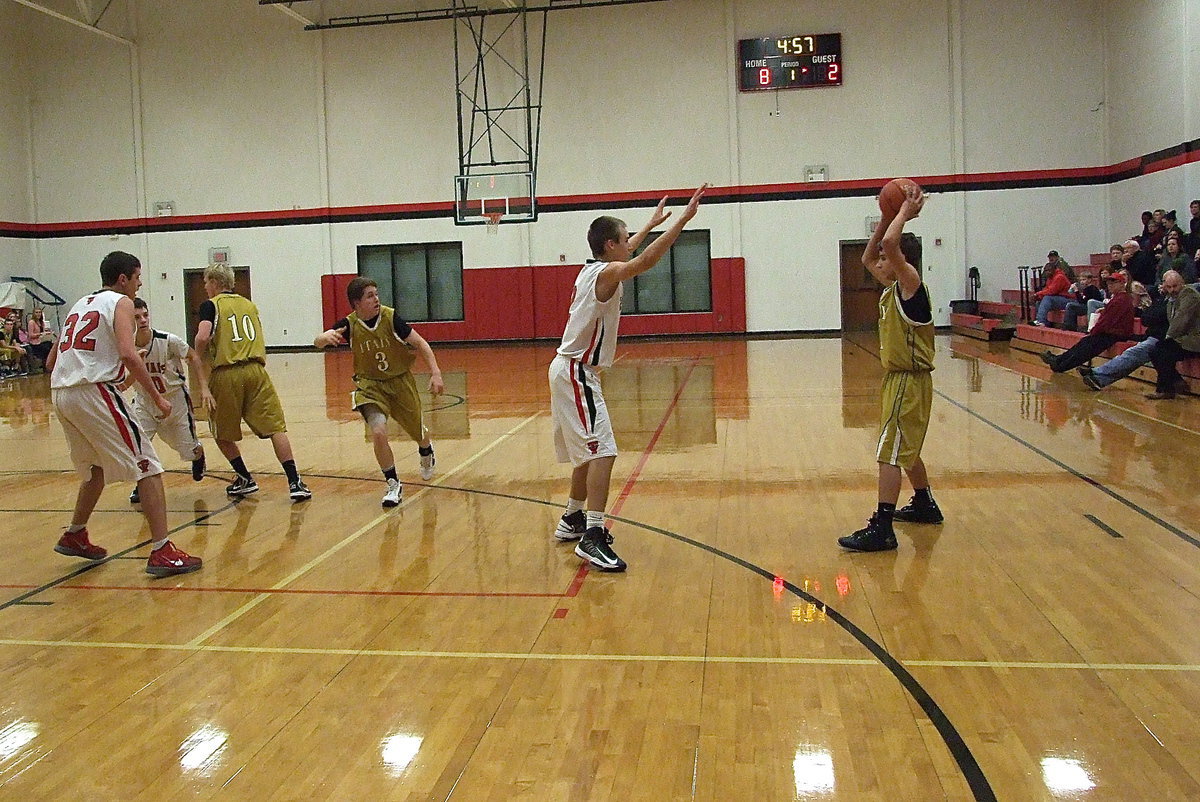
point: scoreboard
(790, 62)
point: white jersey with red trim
(164, 361)
(87, 349)
(591, 332)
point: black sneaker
(242, 486)
(198, 466)
(298, 491)
(571, 527)
(595, 547)
(1048, 358)
(919, 512)
(1089, 379)
(872, 537)
(134, 498)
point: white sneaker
(392, 497)
(427, 466)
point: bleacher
(1036, 339)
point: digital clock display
(790, 62)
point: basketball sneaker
(198, 466)
(919, 512)
(168, 561)
(392, 497)
(872, 537)
(134, 497)
(242, 486)
(571, 527)
(76, 544)
(595, 547)
(427, 465)
(298, 491)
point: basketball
(892, 196)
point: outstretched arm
(896, 264)
(616, 272)
(656, 220)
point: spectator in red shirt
(1115, 324)
(1055, 295)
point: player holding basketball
(384, 348)
(240, 386)
(164, 353)
(906, 351)
(93, 356)
(583, 433)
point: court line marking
(597, 658)
(294, 591)
(314, 562)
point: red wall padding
(523, 303)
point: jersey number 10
(247, 328)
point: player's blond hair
(220, 273)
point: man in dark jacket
(1139, 264)
(1115, 324)
(1183, 334)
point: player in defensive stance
(906, 350)
(583, 433)
(88, 363)
(164, 354)
(231, 333)
(384, 349)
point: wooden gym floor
(1041, 644)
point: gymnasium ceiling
(108, 15)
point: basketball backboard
(479, 197)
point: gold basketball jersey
(903, 344)
(237, 332)
(378, 353)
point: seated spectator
(1053, 260)
(12, 353)
(1138, 264)
(1183, 335)
(1086, 292)
(1146, 218)
(1173, 258)
(1056, 294)
(1171, 226)
(1154, 237)
(1153, 314)
(1115, 324)
(38, 336)
(1115, 254)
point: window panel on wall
(445, 282)
(375, 262)
(411, 282)
(422, 282)
(680, 282)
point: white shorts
(101, 431)
(582, 430)
(178, 430)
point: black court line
(970, 768)
(88, 566)
(1105, 527)
(1114, 495)
(35, 603)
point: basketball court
(1038, 645)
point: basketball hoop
(493, 221)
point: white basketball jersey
(87, 349)
(164, 361)
(591, 333)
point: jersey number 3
(80, 340)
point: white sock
(73, 528)
(574, 505)
(595, 519)
(158, 544)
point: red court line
(298, 591)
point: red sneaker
(169, 560)
(76, 544)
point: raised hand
(694, 204)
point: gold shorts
(396, 397)
(906, 398)
(244, 392)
